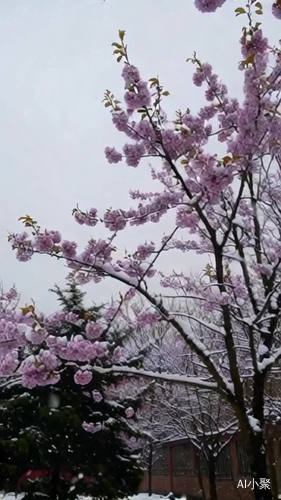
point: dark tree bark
(212, 478)
(259, 466)
(55, 484)
(149, 468)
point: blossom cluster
(213, 5)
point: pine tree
(43, 445)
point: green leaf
(119, 58)
(259, 12)
(121, 35)
(166, 92)
(258, 5)
(118, 45)
(239, 11)
(107, 104)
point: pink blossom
(48, 359)
(8, 364)
(130, 294)
(257, 44)
(114, 220)
(133, 153)
(93, 330)
(56, 236)
(39, 370)
(83, 377)
(144, 251)
(185, 218)
(79, 217)
(90, 427)
(208, 5)
(112, 155)
(72, 317)
(100, 349)
(147, 318)
(37, 337)
(44, 242)
(137, 99)
(23, 255)
(91, 217)
(129, 412)
(97, 396)
(76, 350)
(130, 74)
(68, 249)
(120, 120)
(117, 354)
(12, 294)
(276, 10)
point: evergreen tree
(44, 447)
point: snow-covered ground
(140, 496)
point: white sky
(56, 63)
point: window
(182, 459)
(160, 466)
(223, 464)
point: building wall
(177, 464)
(189, 486)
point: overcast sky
(56, 63)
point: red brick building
(176, 465)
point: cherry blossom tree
(213, 5)
(225, 206)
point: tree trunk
(272, 467)
(212, 478)
(149, 468)
(201, 483)
(257, 451)
(54, 484)
(197, 466)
